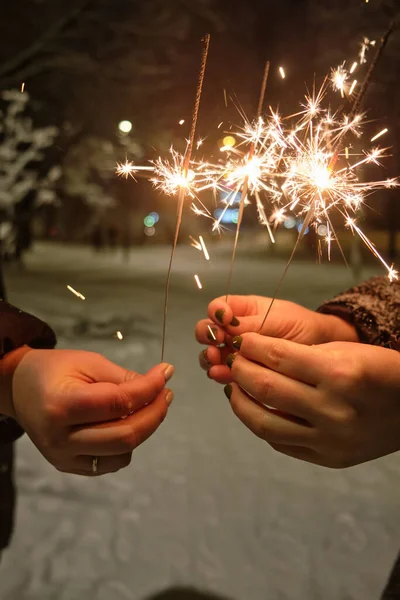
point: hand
(334, 405)
(244, 314)
(78, 405)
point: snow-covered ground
(204, 503)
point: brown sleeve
(373, 308)
(19, 329)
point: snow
(204, 503)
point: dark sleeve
(20, 329)
(373, 308)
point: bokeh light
(125, 126)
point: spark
(353, 86)
(170, 176)
(119, 335)
(365, 45)
(282, 72)
(339, 77)
(204, 248)
(126, 169)
(353, 67)
(77, 294)
(380, 134)
(198, 282)
(181, 122)
(315, 178)
(22, 87)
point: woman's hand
(78, 405)
(244, 314)
(334, 405)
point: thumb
(105, 401)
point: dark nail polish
(219, 314)
(235, 322)
(237, 342)
(230, 359)
(211, 331)
(204, 362)
(228, 391)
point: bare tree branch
(27, 54)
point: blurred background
(205, 511)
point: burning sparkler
(303, 164)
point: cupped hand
(335, 405)
(78, 405)
(227, 321)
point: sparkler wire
(246, 181)
(182, 190)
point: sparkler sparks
(380, 134)
(303, 164)
(353, 87)
(77, 294)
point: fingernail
(212, 334)
(208, 375)
(228, 391)
(204, 362)
(169, 397)
(168, 371)
(235, 322)
(219, 314)
(230, 359)
(237, 342)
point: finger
(266, 424)
(220, 374)
(99, 402)
(304, 363)
(227, 313)
(275, 390)
(96, 368)
(207, 332)
(211, 356)
(121, 437)
(83, 465)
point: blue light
(299, 228)
(229, 215)
(289, 223)
(155, 216)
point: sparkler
(315, 181)
(248, 172)
(301, 164)
(184, 182)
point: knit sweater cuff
(373, 308)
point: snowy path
(204, 504)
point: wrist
(8, 366)
(339, 330)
